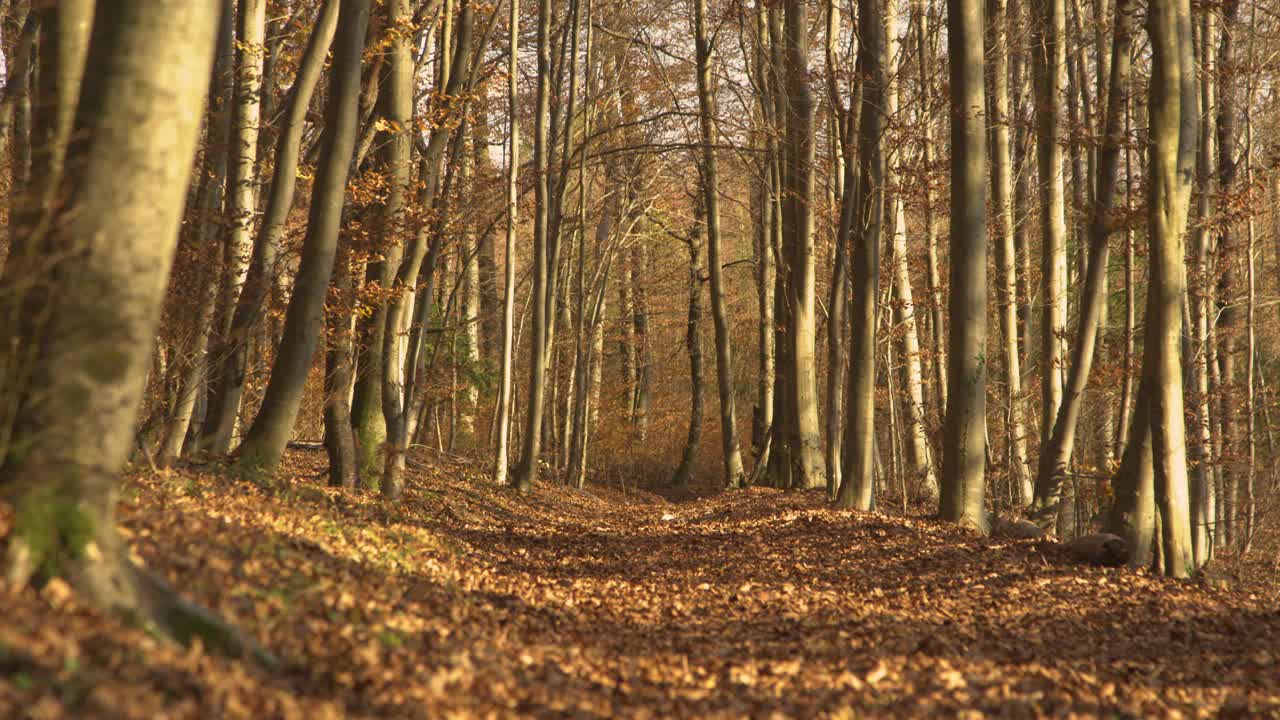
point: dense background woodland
(428, 358)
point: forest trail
(469, 601)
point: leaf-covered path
(467, 601)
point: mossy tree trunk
(125, 183)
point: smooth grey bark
(693, 344)
(964, 430)
(1173, 123)
(1055, 457)
(1199, 293)
(866, 212)
(933, 276)
(209, 200)
(918, 463)
(241, 206)
(339, 366)
(731, 455)
(265, 442)
(527, 469)
(232, 353)
(806, 434)
(406, 322)
(837, 291)
(502, 413)
(125, 179)
(1049, 64)
(1006, 283)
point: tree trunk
(126, 175)
(228, 384)
(734, 476)
(866, 212)
(1049, 56)
(527, 469)
(339, 439)
(209, 201)
(937, 329)
(693, 343)
(502, 413)
(964, 432)
(1171, 159)
(264, 443)
(1055, 456)
(1006, 252)
(805, 430)
(919, 466)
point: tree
(1173, 123)
(866, 211)
(527, 469)
(964, 433)
(228, 378)
(502, 413)
(734, 475)
(1049, 63)
(264, 444)
(124, 180)
(803, 427)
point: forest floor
(469, 601)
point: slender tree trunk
(339, 439)
(693, 343)
(836, 310)
(1229, 320)
(266, 439)
(1006, 253)
(1198, 299)
(734, 476)
(502, 412)
(918, 465)
(395, 107)
(1049, 55)
(228, 384)
(527, 469)
(209, 201)
(406, 322)
(933, 276)
(1056, 455)
(964, 432)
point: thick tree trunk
(264, 443)
(866, 211)
(126, 176)
(1171, 159)
(964, 432)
